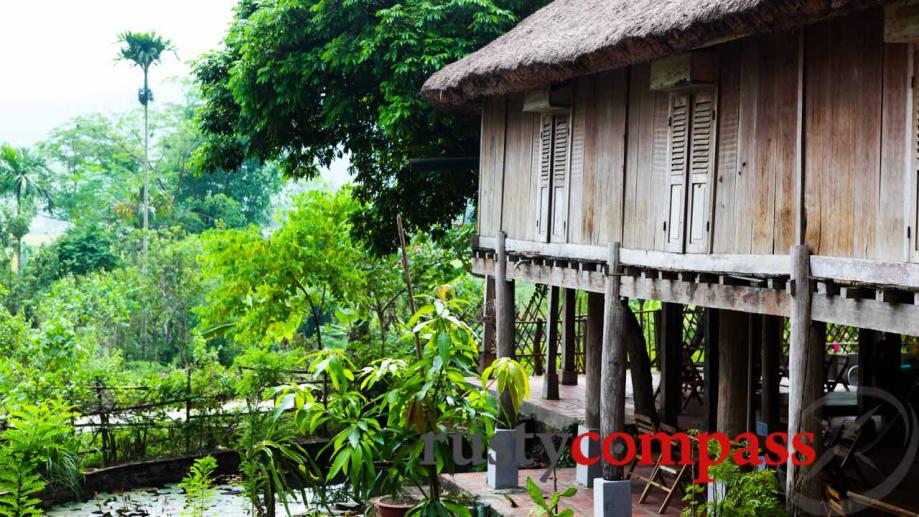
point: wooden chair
(835, 506)
(844, 444)
(645, 425)
(679, 474)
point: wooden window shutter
(701, 171)
(558, 229)
(545, 177)
(676, 171)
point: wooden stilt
(806, 378)
(504, 316)
(612, 376)
(671, 361)
(887, 368)
(569, 337)
(867, 348)
(639, 364)
(593, 352)
(754, 344)
(487, 356)
(771, 350)
(732, 365)
(550, 382)
(710, 325)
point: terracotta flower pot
(387, 508)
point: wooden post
(806, 376)
(753, 352)
(771, 351)
(593, 355)
(733, 348)
(639, 364)
(868, 341)
(711, 368)
(550, 381)
(671, 361)
(612, 376)
(887, 369)
(569, 337)
(487, 355)
(504, 317)
(537, 347)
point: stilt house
(756, 158)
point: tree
(264, 289)
(96, 161)
(144, 49)
(25, 175)
(305, 81)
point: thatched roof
(568, 38)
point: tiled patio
(569, 408)
(518, 503)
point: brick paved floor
(518, 502)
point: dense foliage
(303, 82)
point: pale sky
(57, 59)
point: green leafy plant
(548, 508)
(41, 436)
(199, 486)
(512, 382)
(744, 491)
(272, 463)
(379, 442)
(20, 482)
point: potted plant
(513, 386)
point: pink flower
(836, 347)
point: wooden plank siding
(843, 113)
(491, 166)
(519, 186)
(855, 149)
(597, 159)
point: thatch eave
(522, 59)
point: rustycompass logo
(622, 449)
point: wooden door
(701, 170)
(678, 154)
(558, 228)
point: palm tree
(144, 50)
(25, 175)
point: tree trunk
(639, 364)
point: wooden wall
(757, 128)
(598, 137)
(491, 166)
(855, 122)
(855, 105)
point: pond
(168, 501)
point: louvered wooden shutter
(678, 157)
(545, 177)
(560, 150)
(701, 170)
